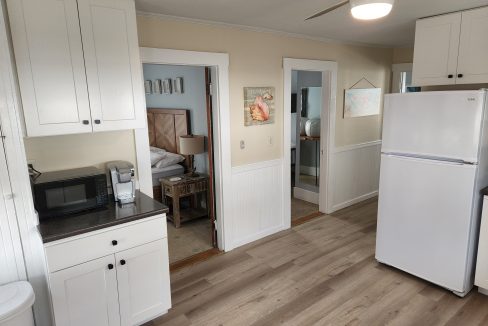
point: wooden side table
(187, 186)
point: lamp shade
(192, 144)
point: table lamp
(191, 145)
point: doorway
(219, 87)
(309, 124)
(179, 118)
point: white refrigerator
(434, 160)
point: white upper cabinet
(473, 50)
(110, 44)
(78, 65)
(451, 49)
(51, 70)
(436, 50)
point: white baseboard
(258, 236)
(354, 201)
(306, 195)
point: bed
(165, 126)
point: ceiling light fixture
(370, 9)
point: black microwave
(61, 193)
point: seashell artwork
(259, 105)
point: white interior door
(437, 124)
(472, 62)
(86, 294)
(113, 66)
(436, 50)
(143, 279)
(424, 218)
(51, 70)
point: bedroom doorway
(180, 131)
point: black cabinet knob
(86, 122)
(460, 75)
(122, 262)
(110, 266)
(450, 76)
(97, 121)
(114, 242)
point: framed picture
(156, 86)
(178, 85)
(361, 102)
(148, 87)
(167, 86)
(259, 105)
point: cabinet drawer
(76, 250)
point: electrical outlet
(242, 144)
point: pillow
(157, 154)
(169, 159)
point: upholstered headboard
(165, 126)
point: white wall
(256, 59)
(192, 99)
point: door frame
(327, 130)
(396, 70)
(219, 63)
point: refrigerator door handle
(428, 159)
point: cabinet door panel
(436, 50)
(473, 49)
(112, 61)
(49, 57)
(86, 294)
(143, 281)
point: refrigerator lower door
(424, 218)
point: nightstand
(186, 187)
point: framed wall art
(259, 105)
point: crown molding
(258, 30)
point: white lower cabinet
(86, 294)
(125, 287)
(142, 275)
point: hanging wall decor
(167, 86)
(148, 87)
(259, 105)
(360, 102)
(157, 87)
(178, 85)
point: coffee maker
(123, 184)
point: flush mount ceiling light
(368, 9)
(362, 9)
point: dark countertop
(484, 191)
(63, 227)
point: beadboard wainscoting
(257, 201)
(356, 173)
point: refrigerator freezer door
(424, 217)
(434, 124)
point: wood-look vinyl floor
(322, 272)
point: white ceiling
(397, 29)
